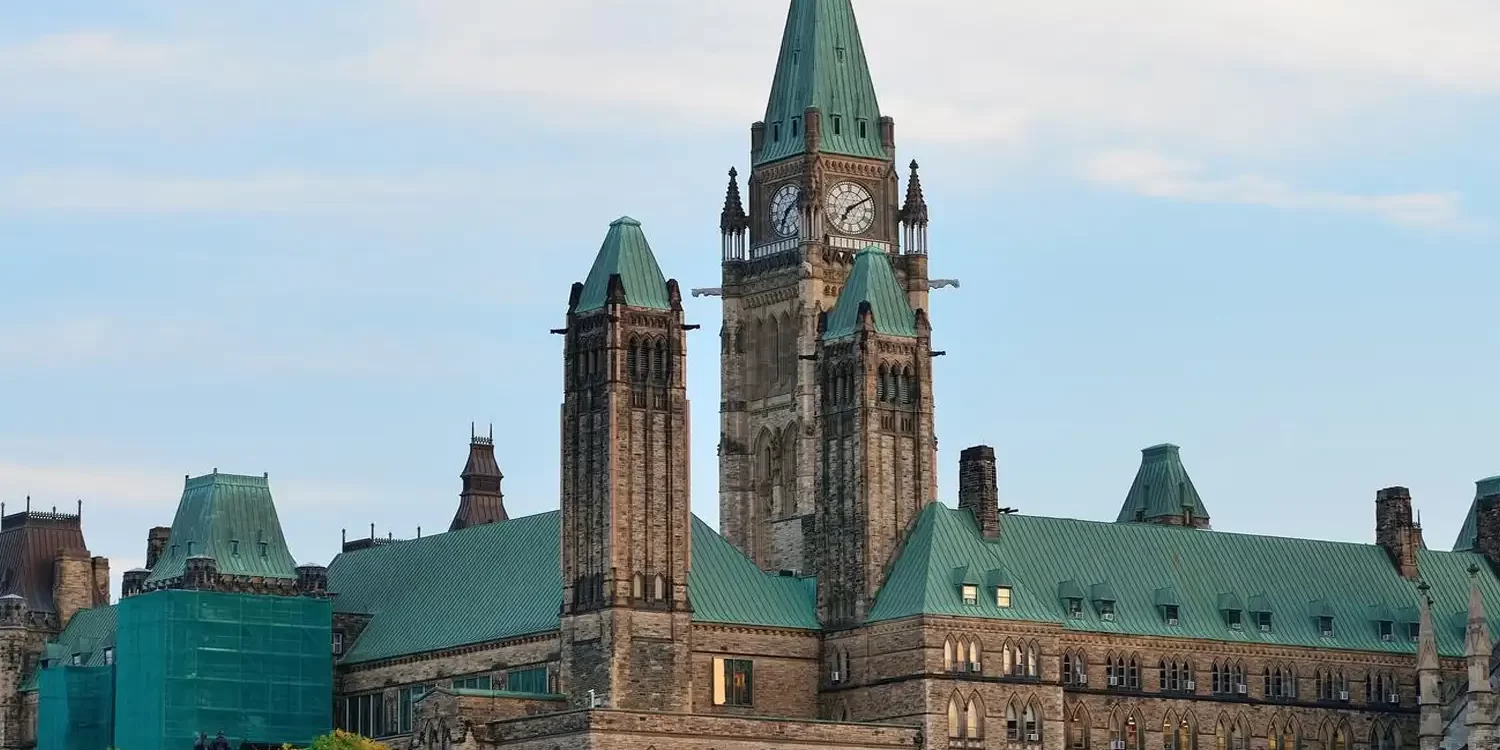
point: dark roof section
(1162, 488)
(481, 500)
(29, 542)
(232, 519)
(1468, 535)
(504, 580)
(1149, 566)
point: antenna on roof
(472, 434)
(2, 507)
(372, 531)
(28, 503)
(343, 536)
(492, 431)
(80, 507)
(1008, 511)
(419, 532)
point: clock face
(786, 214)
(850, 208)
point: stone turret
(312, 580)
(1480, 718)
(1429, 678)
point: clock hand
(851, 208)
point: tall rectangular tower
(626, 518)
(822, 186)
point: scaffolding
(257, 668)
(75, 708)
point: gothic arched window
(1078, 729)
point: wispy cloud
(1151, 174)
(267, 192)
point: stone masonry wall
(623, 730)
(73, 583)
(785, 670)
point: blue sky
(320, 243)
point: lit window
(971, 594)
(733, 685)
(1002, 597)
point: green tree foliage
(341, 740)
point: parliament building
(839, 605)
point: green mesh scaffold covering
(75, 708)
(257, 668)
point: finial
(733, 173)
(913, 165)
(1423, 587)
(419, 532)
(492, 431)
(343, 536)
(372, 531)
(914, 211)
(733, 219)
(80, 507)
(1473, 570)
(28, 503)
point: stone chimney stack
(978, 489)
(1395, 531)
(156, 543)
(101, 581)
(72, 583)
(1487, 529)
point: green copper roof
(514, 569)
(87, 635)
(1293, 578)
(232, 519)
(1467, 536)
(625, 252)
(822, 64)
(1162, 487)
(872, 280)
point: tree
(341, 740)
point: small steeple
(1480, 718)
(1429, 677)
(1163, 492)
(626, 256)
(481, 500)
(914, 215)
(872, 285)
(822, 66)
(733, 222)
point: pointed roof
(733, 218)
(29, 542)
(822, 64)
(232, 519)
(1477, 642)
(1468, 536)
(1162, 488)
(1427, 653)
(914, 211)
(626, 253)
(872, 280)
(481, 501)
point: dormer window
(1232, 619)
(1263, 622)
(1413, 631)
(1387, 630)
(796, 121)
(1075, 608)
(1325, 626)
(1107, 611)
(970, 594)
(1170, 615)
(190, 549)
(264, 549)
(863, 129)
(1002, 597)
(77, 660)
(838, 125)
(775, 132)
(234, 547)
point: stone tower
(822, 186)
(481, 500)
(877, 454)
(626, 530)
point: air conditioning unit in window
(1113, 681)
(1343, 695)
(1107, 616)
(837, 677)
(1117, 745)
(975, 667)
(1387, 637)
(1172, 622)
(1240, 689)
(1083, 679)
(1189, 685)
(1327, 633)
(1393, 698)
(1033, 737)
(1265, 627)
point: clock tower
(823, 185)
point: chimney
(101, 581)
(977, 488)
(72, 583)
(156, 543)
(1395, 532)
(1487, 528)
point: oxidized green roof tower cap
(1162, 492)
(873, 281)
(822, 64)
(627, 254)
(1468, 536)
(232, 520)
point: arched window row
(1384, 735)
(962, 654)
(1023, 721)
(1122, 671)
(965, 721)
(1176, 675)
(1179, 732)
(1283, 734)
(1280, 681)
(1331, 685)
(1335, 736)
(895, 384)
(1077, 728)
(1382, 687)
(1075, 667)
(838, 385)
(838, 666)
(1230, 735)
(1126, 730)
(1228, 678)
(648, 589)
(647, 360)
(771, 351)
(1019, 659)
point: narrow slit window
(795, 122)
(863, 129)
(775, 132)
(838, 125)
